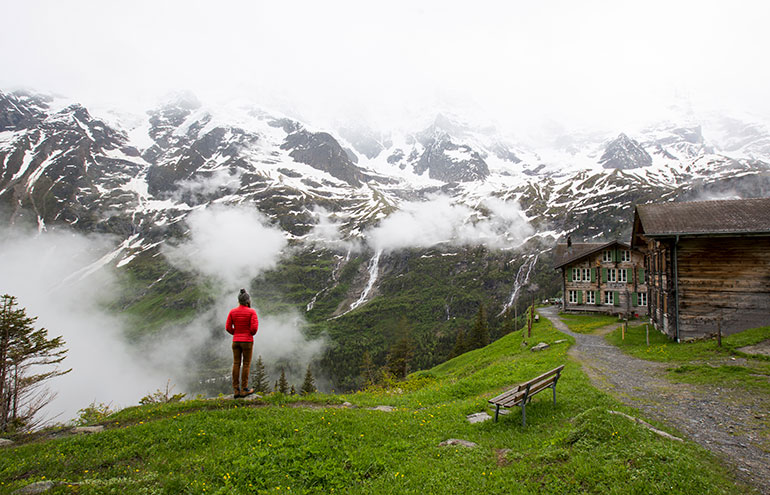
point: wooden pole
(623, 330)
(531, 317)
(647, 330)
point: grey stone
(88, 429)
(4, 442)
(38, 487)
(384, 408)
(478, 417)
(347, 404)
(457, 441)
(539, 347)
(560, 341)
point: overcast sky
(578, 62)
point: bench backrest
(516, 394)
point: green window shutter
(635, 299)
(569, 274)
(641, 275)
(597, 299)
(629, 278)
(615, 298)
(604, 275)
(580, 297)
(593, 274)
(615, 255)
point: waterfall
(522, 279)
(374, 266)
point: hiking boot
(237, 395)
(247, 392)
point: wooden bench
(521, 394)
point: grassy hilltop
(283, 444)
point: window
(590, 297)
(612, 275)
(642, 298)
(607, 256)
(576, 274)
(586, 274)
(625, 255)
(573, 297)
(608, 298)
(622, 275)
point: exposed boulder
(457, 441)
(540, 347)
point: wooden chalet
(708, 265)
(606, 277)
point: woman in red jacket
(242, 324)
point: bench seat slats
(518, 395)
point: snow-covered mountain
(59, 164)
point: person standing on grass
(242, 324)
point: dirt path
(726, 421)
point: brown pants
(241, 350)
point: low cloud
(440, 221)
(205, 186)
(230, 245)
(38, 269)
(327, 232)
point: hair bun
(243, 291)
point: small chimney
(569, 241)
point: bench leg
(524, 413)
(497, 411)
(554, 394)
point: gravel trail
(726, 421)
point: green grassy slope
(312, 445)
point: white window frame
(612, 275)
(608, 298)
(586, 274)
(590, 297)
(626, 255)
(622, 275)
(607, 256)
(641, 298)
(576, 274)
(573, 297)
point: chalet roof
(564, 254)
(735, 216)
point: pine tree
(283, 385)
(479, 336)
(308, 386)
(368, 370)
(400, 357)
(461, 345)
(293, 391)
(259, 378)
(27, 358)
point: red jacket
(242, 324)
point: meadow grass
(663, 349)
(283, 444)
(587, 323)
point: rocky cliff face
(624, 153)
(450, 162)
